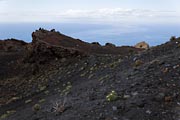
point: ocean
(154, 34)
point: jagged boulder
(142, 45)
(96, 43)
(173, 38)
(110, 45)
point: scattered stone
(176, 66)
(126, 96)
(135, 58)
(63, 60)
(165, 70)
(148, 111)
(115, 118)
(159, 97)
(178, 103)
(134, 93)
(168, 99)
(114, 108)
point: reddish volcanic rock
(12, 45)
(56, 39)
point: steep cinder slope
(146, 87)
(22, 63)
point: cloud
(119, 15)
(116, 13)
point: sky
(122, 22)
(92, 11)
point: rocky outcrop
(142, 45)
(96, 43)
(110, 45)
(12, 45)
(47, 45)
(54, 39)
(173, 38)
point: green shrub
(138, 63)
(7, 114)
(112, 96)
(67, 89)
(28, 101)
(36, 107)
(42, 100)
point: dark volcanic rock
(110, 45)
(20, 61)
(71, 79)
(96, 43)
(12, 45)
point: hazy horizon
(119, 35)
